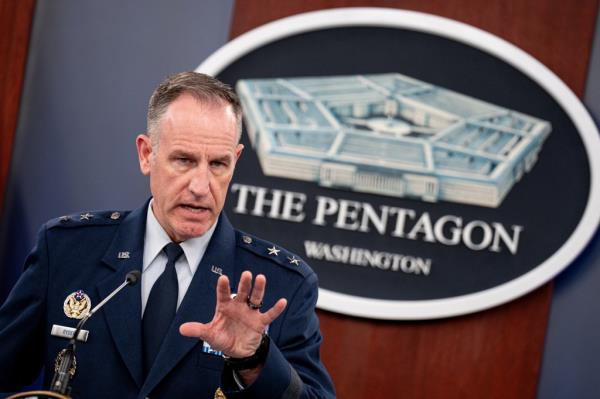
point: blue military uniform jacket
(93, 252)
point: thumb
(194, 330)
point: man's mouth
(194, 208)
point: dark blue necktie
(160, 307)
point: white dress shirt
(155, 259)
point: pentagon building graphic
(389, 134)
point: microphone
(130, 279)
(66, 357)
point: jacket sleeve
(22, 320)
(293, 368)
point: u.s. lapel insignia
(123, 255)
(216, 270)
(77, 305)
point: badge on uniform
(219, 394)
(77, 305)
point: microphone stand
(66, 362)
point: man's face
(192, 165)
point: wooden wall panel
(557, 33)
(491, 354)
(15, 26)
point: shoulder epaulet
(96, 218)
(274, 253)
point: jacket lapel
(198, 304)
(123, 312)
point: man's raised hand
(238, 324)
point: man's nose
(199, 181)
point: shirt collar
(156, 238)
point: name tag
(67, 332)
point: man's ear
(144, 150)
(238, 151)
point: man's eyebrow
(182, 153)
(185, 154)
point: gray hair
(204, 88)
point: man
(202, 320)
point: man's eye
(218, 164)
(183, 160)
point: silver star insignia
(86, 216)
(294, 260)
(273, 251)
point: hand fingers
(223, 291)
(270, 315)
(244, 287)
(258, 291)
(195, 330)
